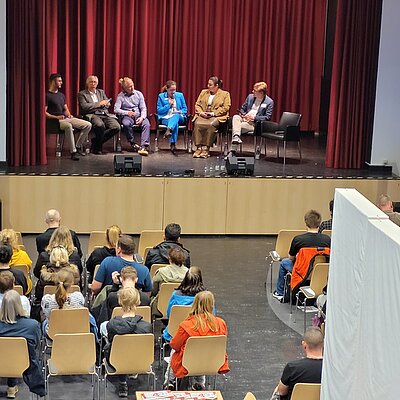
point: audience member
(13, 323)
(61, 237)
(159, 254)
(174, 272)
(128, 323)
(184, 295)
(200, 322)
(19, 256)
(53, 220)
(211, 109)
(5, 258)
(327, 225)
(312, 238)
(94, 104)
(56, 108)
(64, 298)
(305, 370)
(386, 205)
(125, 251)
(171, 110)
(257, 107)
(99, 254)
(7, 281)
(130, 105)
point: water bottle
(217, 167)
(222, 166)
(258, 153)
(211, 170)
(206, 171)
(225, 149)
(119, 146)
(189, 150)
(86, 146)
(58, 149)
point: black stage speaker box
(127, 165)
(240, 166)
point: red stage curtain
(279, 41)
(352, 99)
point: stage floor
(165, 163)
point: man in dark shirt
(327, 225)
(312, 238)
(305, 370)
(53, 220)
(56, 108)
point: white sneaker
(236, 139)
(277, 296)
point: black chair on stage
(53, 128)
(161, 128)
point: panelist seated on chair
(56, 108)
(257, 107)
(305, 370)
(311, 238)
(172, 110)
(94, 104)
(211, 109)
(131, 107)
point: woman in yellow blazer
(211, 109)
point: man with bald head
(385, 204)
(53, 219)
(94, 104)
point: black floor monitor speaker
(240, 166)
(127, 165)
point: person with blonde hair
(61, 237)
(63, 298)
(128, 323)
(113, 234)
(200, 322)
(13, 323)
(19, 256)
(5, 258)
(131, 107)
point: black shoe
(232, 153)
(173, 148)
(80, 151)
(135, 147)
(123, 390)
(74, 156)
(197, 386)
(98, 152)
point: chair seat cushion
(279, 135)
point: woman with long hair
(5, 258)
(13, 323)
(113, 233)
(61, 237)
(200, 322)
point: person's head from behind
(59, 257)
(55, 81)
(65, 279)
(9, 236)
(128, 299)
(176, 256)
(11, 307)
(125, 246)
(127, 85)
(313, 340)
(53, 218)
(61, 237)
(128, 277)
(331, 207)
(385, 202)
(172, 232)
(192, 283)
(202, 309)
(113, 233)
(7, 281)
(6, 253)
(312, 219)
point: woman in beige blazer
(211, 109)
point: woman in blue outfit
(171, 110)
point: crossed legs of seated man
(104, 128)
(285, 267)
(128, 123)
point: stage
(91, 196)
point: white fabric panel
(363, 274)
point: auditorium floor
(259, 343)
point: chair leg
(284, 152)
(277, 150)
(299, 144)
(156, 148)
(295, 311)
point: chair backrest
(143, 311)
(24, 268)
(306, 391)
(289, 119)
(149, 238)
(15, 351)
(145, 252)
(52, 126)
(327, 232)
(73, 354)
(319, 277)
(204, 355)
(284, 239)
(176, 316)
(19, 289)
(96, 239)
(154, 268)
(249, 396)
(69, 320)
(133, 353)
(51, 289)
(165, 293)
